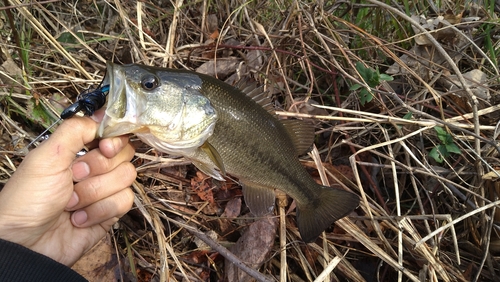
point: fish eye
(149, 82)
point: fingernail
(79, 217)
(97, 116)
(80, 170)
(72, 201)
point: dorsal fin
(301, 133)
(257, 93)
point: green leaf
(374, 80)
(37, 113)
(370, 76)
(440, 131)
(386, 77)
(67, 37)
(360, 68)
(355, 87)
(442, 138)
(366, 73)
(408, 116)
(435, 155)
(442, 134)
(453, 148)
(443, 151)
(448, 140)
(365, 96)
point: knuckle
(130, 171)
(100, 210)
(94, 189)
(104, 163)
(128, 201)
(127, 173)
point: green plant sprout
(447, 146)
(372, 77)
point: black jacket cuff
(18, 263)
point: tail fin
(332, 204)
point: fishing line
(42, 134)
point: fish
(223, 129)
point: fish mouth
(120, 115)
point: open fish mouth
(154, 105)
(121, 108)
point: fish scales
(221, 129)
(268, 153)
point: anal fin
(259, 199)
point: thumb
(43, 184)
(70, 137)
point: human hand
(61, 206)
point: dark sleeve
(18, 263)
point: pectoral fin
(214, 156)
(259, 199)
(208, 169)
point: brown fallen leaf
(310, 254)
(253, 248)
(100, 263)
(197, 257)
(342, 172)
(9, 72)
(220, 68)
(203, 189)
(214, 34)
(232, 210)
(476, 80)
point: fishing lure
(88, 101)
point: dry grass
(419, 220)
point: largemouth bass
(223, 129)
